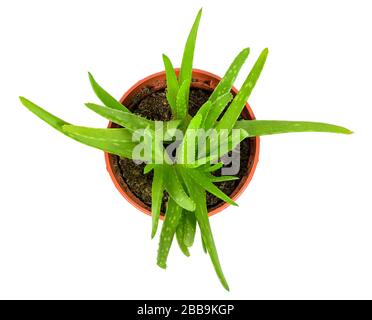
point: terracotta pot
(203, 80)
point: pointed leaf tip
(91, 78)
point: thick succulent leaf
(219, 146)
(180, 236)
(105, 97)
(114, 135)
(172, 83)
(182, 101)
(203, 244)
(126, 119)
(194, 124)
(182, 152)
(169, 129)
(189, 229)
(216, 109)
(223, 178)
(213, 168)
(233, 112)
(174, 187)
(201, 213)
(49, 118)
(204, 111)
(156, 197)
(188, 54)
(172, 218)
(148, 167)
(159, 155)
(134, 122)
(267, 127)
(226, 83)
(201, 179)
(116, 141)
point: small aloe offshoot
(186, 180)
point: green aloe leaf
(169, 129)
(116, 141)
(114, 135)
(105, 97)
(134, 122)
(227, 82)
(172, 83)
(188, 54)
(267, 127)
(233, 112)
(189, 229)
(201, 179)
(182, 101)
(156, 197)
(123, 118)
(214, 167)
(159, 155)
(221, 95)
(199, 196)
(203, 245)
(216, 109)
(203, 112)
(172, 218)
(219, 146)
(183, 157)
(175, 189)
(148, 167)
(180, 236)
(49, 118)
(223, 178)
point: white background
(304, 225)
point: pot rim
(212, 82)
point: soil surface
(155, 107)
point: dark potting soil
(155, 107)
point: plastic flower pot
(155, 82)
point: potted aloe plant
(182, 144)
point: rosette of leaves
(186, 182)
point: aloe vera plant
(186, 179)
